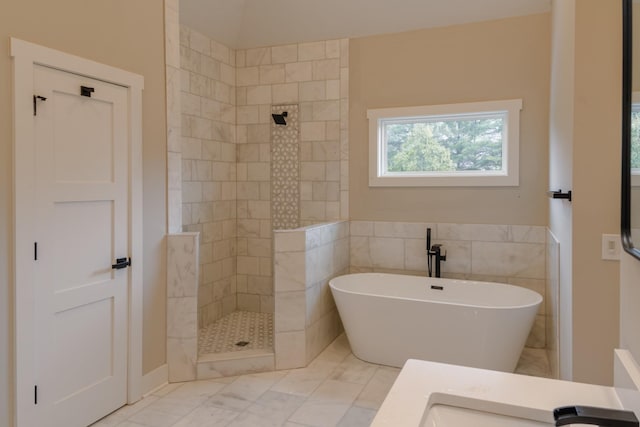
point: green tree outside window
(473, 144)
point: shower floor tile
(254, 330)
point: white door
(81, 306)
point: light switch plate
(611, 247)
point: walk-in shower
(250, 328)
(264, 148)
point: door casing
(25, 56)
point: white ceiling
(243, 24)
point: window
(471, 144)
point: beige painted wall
(501, 59)
(121, 33)
(596, 182)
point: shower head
(279, 118)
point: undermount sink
(453, 416)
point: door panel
(74, 118)
(82, 227)
(78, 226)
(91, 363)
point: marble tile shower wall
(502, 253)
(315, 77)
(307, 319)
(174, 122)
(208, 92)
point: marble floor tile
(118, 417)
(196, 391)
(166, 389)
(178, 407)
(335, 352)
(354, 370)
(302, 382)
(151, 418)
(208, 416)
(130, 424)
(275, 405)
(335, 390)
(114, 421)
(377, 388)
(110, 421)
(271, 409)
(534, 361)
(245, 390)
(320, 414)
(327, 404)
(357, 417)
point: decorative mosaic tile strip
(285, 169)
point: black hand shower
(429, 261)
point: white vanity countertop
(422, 384)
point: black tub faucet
(597, 416)
(434, 253)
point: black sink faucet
(434, 251)
(597, 416)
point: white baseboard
(155, 379)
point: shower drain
(242, 343)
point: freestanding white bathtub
(389, 318)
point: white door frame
(25, 56)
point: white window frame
(509, 176)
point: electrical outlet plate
(611, 247)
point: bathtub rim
(538, 302)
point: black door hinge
(35, 395)
(35, 103)
(86, 91)
(35, 251)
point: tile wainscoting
(306, 319)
